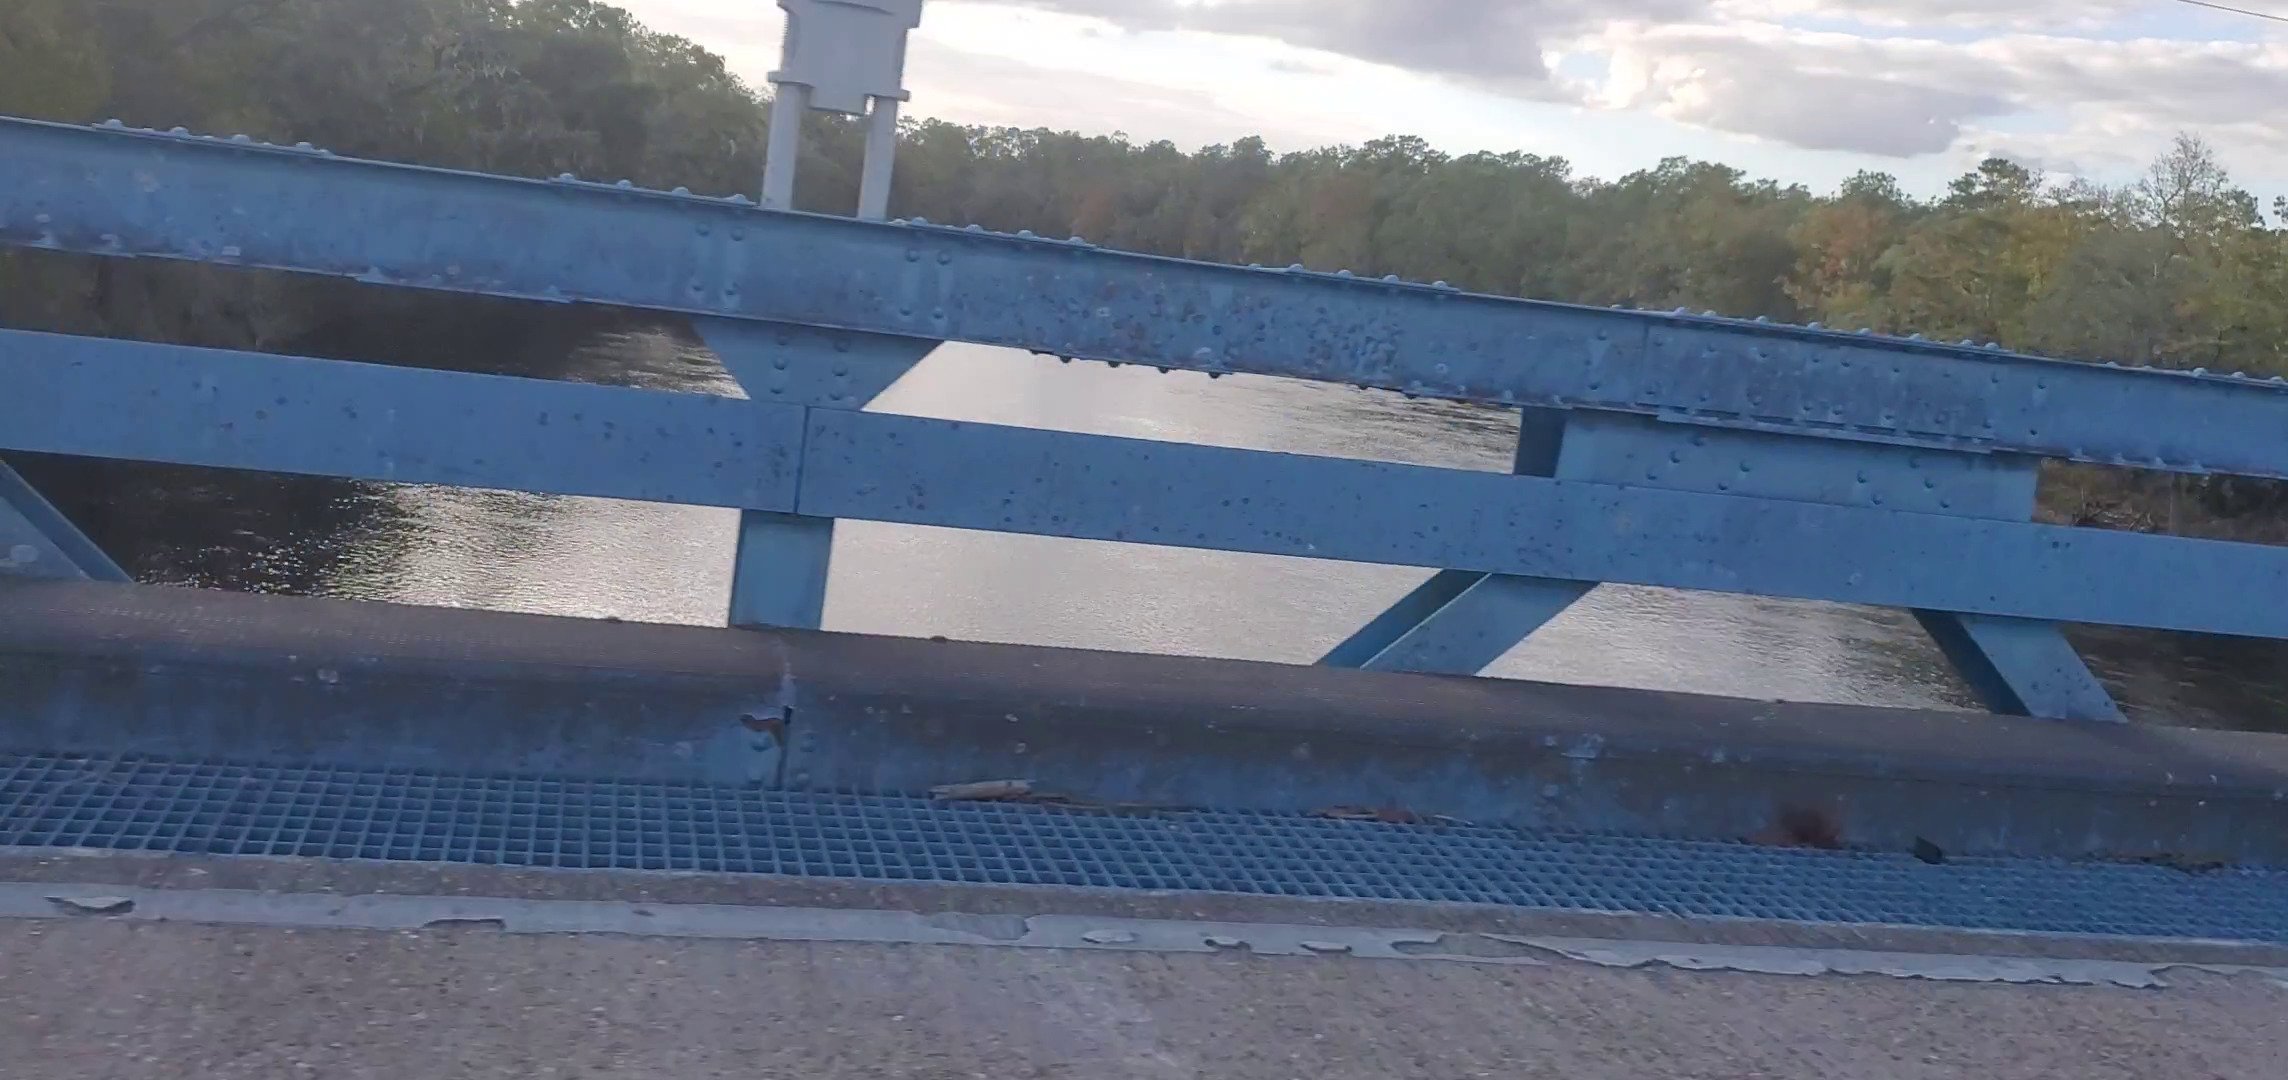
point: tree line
(2177, 269)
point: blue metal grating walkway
(326, 812)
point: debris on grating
(1022, 791)
(2191, 864)
(229, 808)
(1387, 815)
(983, 791)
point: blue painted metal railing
(1659, 449)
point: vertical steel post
(789, 102)
(780, 576)
(881, 154)
(837, 56)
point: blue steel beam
(2016, 666)
(778, 577)
(135, 400)
(1488, 619)
(2020, 667)
(206, 407)
(804, 365)
(976, 476)
(37, 540)
(1418, 606)
(1458, 622)
(125, 193)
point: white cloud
(1903, 96)
(2051, 16)
(1493, 41)
(975, 88)
(1801, 88)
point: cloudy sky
(1802, 90)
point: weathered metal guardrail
(1661, 449)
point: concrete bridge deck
(266, 969)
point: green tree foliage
(2176, 269)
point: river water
(636, 561)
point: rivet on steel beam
(1025, 234)
(1814, 326)
(179, 131)
(623, 184)
(241, 139)
(739, 200)
(1443, 285)
(1294, 268)
(114, 122)
(973, 227)
(681, 192)
(1391, 279)
(1345, 272)
(2200, 371)
(304, 147)
(566, 178)
(1866, 330)
(918, 220)
(1914, 337)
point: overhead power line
(2237, 11)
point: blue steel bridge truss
(1663, 449)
